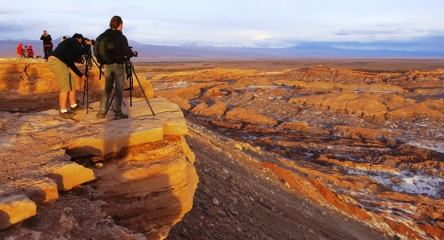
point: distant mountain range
(431, 47)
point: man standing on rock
(63, 58)
(47, 44)
(115, 72)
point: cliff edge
(129, 178)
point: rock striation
(365, 144)
(137, 173)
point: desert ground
(149, 69)
(368, 129)
(252, 164)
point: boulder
(15, 209)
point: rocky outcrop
(24, 81)
(15, 209)
(216, 110)
(140, 168)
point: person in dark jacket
(115, 72)
(59, 62)
(47, 44)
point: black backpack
(104, 49)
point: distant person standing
(20, 50)
(30, 51)
(25, 52)
(47, 44)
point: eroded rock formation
(366, 144)
(137, 173)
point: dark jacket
(123, 52)
(47, 41)
(68, 52)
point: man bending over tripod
(64, 56)
(115, 72)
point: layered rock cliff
(137, 173)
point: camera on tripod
(87, 39)
(135, 52)
(86, 51)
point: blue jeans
(114, 76)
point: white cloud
(230, 22)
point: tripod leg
(129, 76)
(85, 87)
(131, 91)
(84, 91)
(87, 102)
(109, 104)
(85, 84)
(143, 92)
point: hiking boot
(67, 115)
(120, 116)
(78, 108)
(100, 115)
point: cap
(77, 35)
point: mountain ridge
(424, 48)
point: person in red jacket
(30, 51)
(20, 50)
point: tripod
(88, 64)
(130, 72)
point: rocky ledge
(139, 171)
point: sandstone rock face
(143, 175)
(149, 201)
(366, 144)
(216, 110)
(42, 192)
(71, 175)
(15, 209)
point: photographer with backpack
(111, 50)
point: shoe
(67, 115)
(78, 108)
(100, 115)
(120, 116)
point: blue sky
(272, 23)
